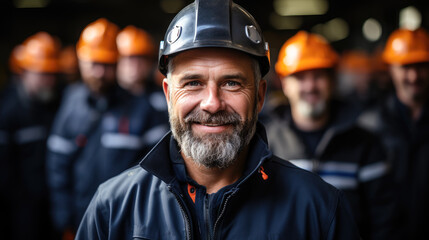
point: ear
(261, 94)
(166, 91)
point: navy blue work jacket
(146, 202)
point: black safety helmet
(214, 23)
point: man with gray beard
(319, 134)
(214, 177)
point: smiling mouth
(212, 124)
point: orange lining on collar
(192, 191)
(264, 175)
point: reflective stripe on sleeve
(30, 134)
(121, 141)
(339, 167)
(372, 171)
(341, 175)
(60, 144)
(303, 163)
(153, 135)
(341, 182)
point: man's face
(308, 91)
(411, 82)
(40, 86)
(213, 104)
(134, 70)
(99, 77)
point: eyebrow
(192, 76)
(235, 76)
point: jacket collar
(343, 116)
(159, 162)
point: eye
(232, 85)
(192, 84)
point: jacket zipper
(207, 216)
(182, 209)
(221, 213)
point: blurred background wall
(362, 25)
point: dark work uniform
(346, 156)
(24, 129)
(272, 200)
(92, 140)
(407, 142)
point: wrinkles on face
(214, 84)
(213, 104)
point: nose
(309, 83)
(212, 101)
(412, 74)
(99, 70)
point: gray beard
(311, 111)
(213, 150)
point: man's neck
(135, 89)
(215, 178)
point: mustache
(313, 92)
(221, 118)
(416, 82)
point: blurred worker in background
(27, 112)
(136, 69)
(381, 76)
(403, 123)
(137, 58)
(15, 62)
(318, 133)
(355, 79)
(98, 132)
(69, 65)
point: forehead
(214, 58)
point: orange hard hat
(41, 53)
(305, 51)
(16, 58)
(407, 46)
(68, 60)
(377, 62)
(97, 43)
(135, 41)
(355, 61)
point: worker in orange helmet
(100, 130)
(28, 108)
(69, 65)
(136, 68)
(402, 121)
(380, 73)
(136, 74)
(15, 61)
(355, 78)
(137, 59)
(317, 132)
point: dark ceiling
(67, 18)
